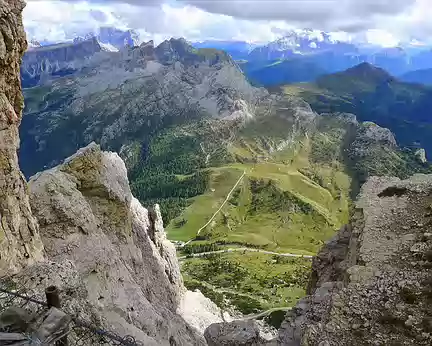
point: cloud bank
(389, 21)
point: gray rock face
(378, 134)
(121, 97)
(380, 285)
(40, 63)
(20, 244)
(237, 333)
(328, 265)
(371, 136)
(110, 256)
(421, 155)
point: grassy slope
(271, 229)
(290, 201)
(264, 281)
(287, 202)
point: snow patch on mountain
(33, 44)
(107, 47)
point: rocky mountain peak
(174, 50)
(368, 72)
(42, 65)
(298, 42)
(118, 38)
(34, 44)
(147, 44)
(373, 132)
(61, 59)
(112, 37)
(110, 251)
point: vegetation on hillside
(251, 282)
(373, 95)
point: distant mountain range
(239, 50)
(374, 95)
(111, 37)
(299, 56)
(306, 55)
(301, 43)
(418, 76)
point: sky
(381, 22)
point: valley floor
(247, 242)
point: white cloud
(380, 21)
(59, 21)
(380, 37)
(331, 15)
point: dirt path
(217, 212)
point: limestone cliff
(19, 241)
(108, 255)
(372, 283)
(40, 63)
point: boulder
(237, 333)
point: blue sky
(385, 22)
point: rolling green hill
(373, 95)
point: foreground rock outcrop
(372, 284)
(108, 255)
(237, 333)
(19, 241)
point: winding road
(203, 254)
(263, 314)
(251, 316)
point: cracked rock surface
(372, 284)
